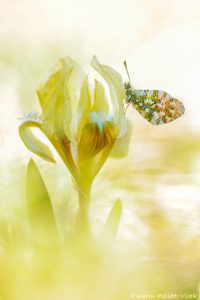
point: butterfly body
(156, 106)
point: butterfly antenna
(126, 68)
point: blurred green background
(158, 243)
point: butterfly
(156, 106)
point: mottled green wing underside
(156, 106)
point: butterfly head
(129, 90)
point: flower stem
(83, 223)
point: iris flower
(81, 122)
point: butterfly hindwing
(156, 106)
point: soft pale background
(159, 39)
(159, 180)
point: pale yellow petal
(116, 88)
(114, 81)
(121, 146)
(74, 85)
(100, 100)
(56, 89)
(84, 107)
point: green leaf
(40, 211)
(112, 223)
(33, 143)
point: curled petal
(116, 88)
(33, 143)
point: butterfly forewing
(156, 106)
